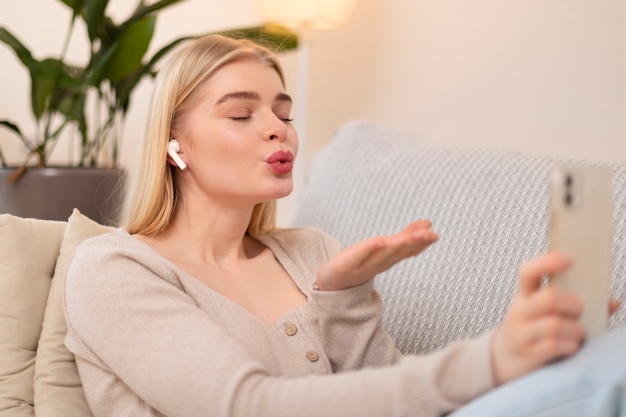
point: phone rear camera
(569, 180)
(568, 200)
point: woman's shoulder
(118, 238)
(106, 247)
(116, 260)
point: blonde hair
(152, 197)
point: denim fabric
(590, 384)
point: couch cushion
(489, 207)
(28, 252)
(58, 390)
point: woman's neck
(212, 235)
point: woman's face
(237, 137)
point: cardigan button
(291, 329)
(312, 356)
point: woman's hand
(542, 323)
(360, 262)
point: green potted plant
(90, 101)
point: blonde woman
(199, 306)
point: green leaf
(44, 75)
(143, 10)
(70, 103)
(47, 77)
(164, 50)
(126, 86)
(94, 16)
(18, 47)
(275, 37)
(126, 54)
(12, 126)
(75, 5)
(42, 87)
(108, 33)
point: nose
(276, 130)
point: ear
(173, 154)
(174, 132)
(171, 161)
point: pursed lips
(280, 162)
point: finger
(554, 339)
(402, 246)
(412, 239)
(419, 224)
(380, 253)
(533, 271)
(355, 255)
(548, 350)
(614, 305)
(554, 327)
(553, 301)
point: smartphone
(581, 221)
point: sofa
(489, 207)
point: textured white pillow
(58, 389)
(28, 252)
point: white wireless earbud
(173, 149)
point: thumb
(533, 271)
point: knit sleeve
(137, 326)
(350, 317)
(353, 317)
(347, 318)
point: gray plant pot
(52, 193)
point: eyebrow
(251, 95)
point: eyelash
(248, 117)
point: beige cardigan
(151, 340)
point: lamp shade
(308, 14)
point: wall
(543, 76)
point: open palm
(362, 261)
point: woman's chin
(284, 194)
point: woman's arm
(352, 318)
(542, 323)
(350, 309)
(131, 322)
